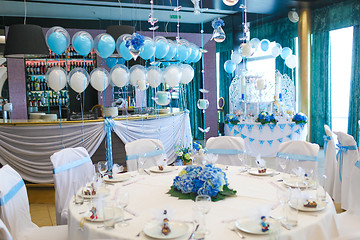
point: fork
(232, 228)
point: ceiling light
(230, 2)
(293, 16)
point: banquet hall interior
(179, 119)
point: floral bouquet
(207, 180)
(265, 117)
(184, 153)
(231, 118)
(299, 118)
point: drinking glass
(283, 197)
(79, 196)
(292, 210)
(122, 200)
(109, 215)
(192, 153)
(320, 188)
(203, 204)
(283, 162)
(140, 165)
(102, 167)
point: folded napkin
(300, 172)
(211, 158)
(261, 163)
(117, 168)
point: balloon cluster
(248, 49)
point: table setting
(205, 202)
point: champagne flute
(122, 200)
(203, 204)
(102, 167)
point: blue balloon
(57, 42)
(147, 50)
(229, 66)
(285, 52)
(82, 45)
(162, 48)
(194, 53)
(182, 53)
(264, 45)
(106, 46)
(124, 51)
(198, 57)
(111, 62)
(171, 53)
(120, 61)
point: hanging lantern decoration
(218, 34)
(134, 43)
(230, 2)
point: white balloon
(78, 79)
(137, 73)
(187, 73)
(291, 61)
(99, 79)
(154, 76)
(56, 78)
(119, 75)
(142, 85)
(275, 51)
(236, 57)
(245, 49)
(172, 75)
(255, 43)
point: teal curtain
(354, 106)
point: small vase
(188, 163)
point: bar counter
(27, 145)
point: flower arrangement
(299, 118)
(183, 153)
(217, 23)
(136, 41)
(231, 118)
(265, 117)
(207, 180)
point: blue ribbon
(241, 126)
(109, 125)
(13, 191)
(357, 164)
(339, 156)
(224, 151)
(299, 157)
(236, 132)
(326, 139)
(146, 155)
(71, 165)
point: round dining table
(148, 196)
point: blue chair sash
(13, 191)
(146, 155)
(71, 165)
(299, 157)
(326, 139)
(224, 151)
(357, 164)
(339, 156)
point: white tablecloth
(265, 139)
(148, 193)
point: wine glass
(242, 160)
(203, 205)
(283, 197)
(320, 188)
(122, 200)
(283, 162)
(103, 167)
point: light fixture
(230, 2)
(116, 31)
(293, 16)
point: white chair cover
(227, 148)
(14, 210)
(151, 149)
(299, 152)
(4, 232)
(346, 157)
(330, 160)
(72, 168)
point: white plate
(100, 191)
(256, 172)
(253, 227)
(297, 182)
(117, 177)
(221, 166)
(320, 206)
(117, 214)
(153, 229)
(157, 170)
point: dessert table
(148, 194)
(265, 139)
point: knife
(193, 233)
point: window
(340, 72)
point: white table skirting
(265, 139)
(27, 148)
(148, 194)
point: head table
(148, 194)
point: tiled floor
(43, 214)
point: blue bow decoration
(339, 156)
(326, 139)
(109, 125)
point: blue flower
(136, 41)
(217, 23)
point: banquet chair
(227, 148)
(15, 213)
(4, 232)
(330, 160)
(149, 149)
(349, 221)
(300, 154)
(346, 157)
(72, 168)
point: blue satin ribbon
(109, 125)
(71, 165)
(326, 139)
(339, 156)
(224, 151)
(299, 157)
(13, 191)
(146, 155)
(357, 164)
